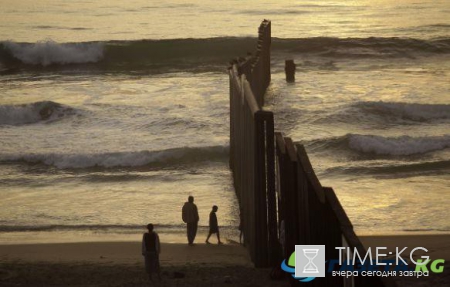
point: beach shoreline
(174, 236)
(121, 264)
(71, 236)
(179, 252)
(201, 264)
(126, 253)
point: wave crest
(385, 113)
(408, 111)
(397, 146)
(167, 157)
(381, 146)
(397, 170)
(208, 54)
(49, 52)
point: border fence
(252, 150)
(275, 182)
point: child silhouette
(213, 225)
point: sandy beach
(120, 263)
(126, 253)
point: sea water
(112, 113)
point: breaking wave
(33, 113)
(399, 146)
(384, 146)
(385, 113)
(395, 170)
(160, 158)
(372, 47)
(413, 112)
(203, 54)
(49, 52)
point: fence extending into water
(252, 149)
(275, 182)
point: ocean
(112, 113)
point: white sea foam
(123, 159)
(397, 146)
(49, 52)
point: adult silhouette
(190, 217)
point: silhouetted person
(213, 225)
(150, 250)
(190, 216)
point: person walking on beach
(190, 217)
(151, 250)
(213, 225)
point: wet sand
(121, 264)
